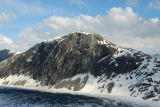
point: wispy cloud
(6, 18)
(24, 8)
(154, 4)
(79, 3)
(5, 40)
(132, 2)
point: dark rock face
(68, 56)
(80, 53)
(4, 54)
(119, 65)
(53, 61)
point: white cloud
(120, 26)
(6, 18)
(154, 4)
(31, 37)
(8, 43)
(5, 40)
(154, 20)
(23, 7)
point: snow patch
(14, 79)
(103, 42)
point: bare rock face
(4, 54)
(51, 62)
(62, 62)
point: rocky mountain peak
(79, 61)
(64, 57)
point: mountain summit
(84, 62)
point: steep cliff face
(51, 62)
(84, 62)
(4, 54)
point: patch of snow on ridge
(18, 52)
(86, 33)
(103, 42)
(109, 44)
(14, 52)
(125, 51)
(20, 80)
(62, 38)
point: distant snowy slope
(4, 54)
(157, 56)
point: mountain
(4, 54)
(84, 62)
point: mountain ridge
(80, 61)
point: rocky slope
(84, 62)
(4, 54)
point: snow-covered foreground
(16, 97)
(116, 100)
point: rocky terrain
(84, 62)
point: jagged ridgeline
(84, 62)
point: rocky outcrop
(80, 61)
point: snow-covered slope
(85, 62)
(143, 82)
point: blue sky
(21, 20)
